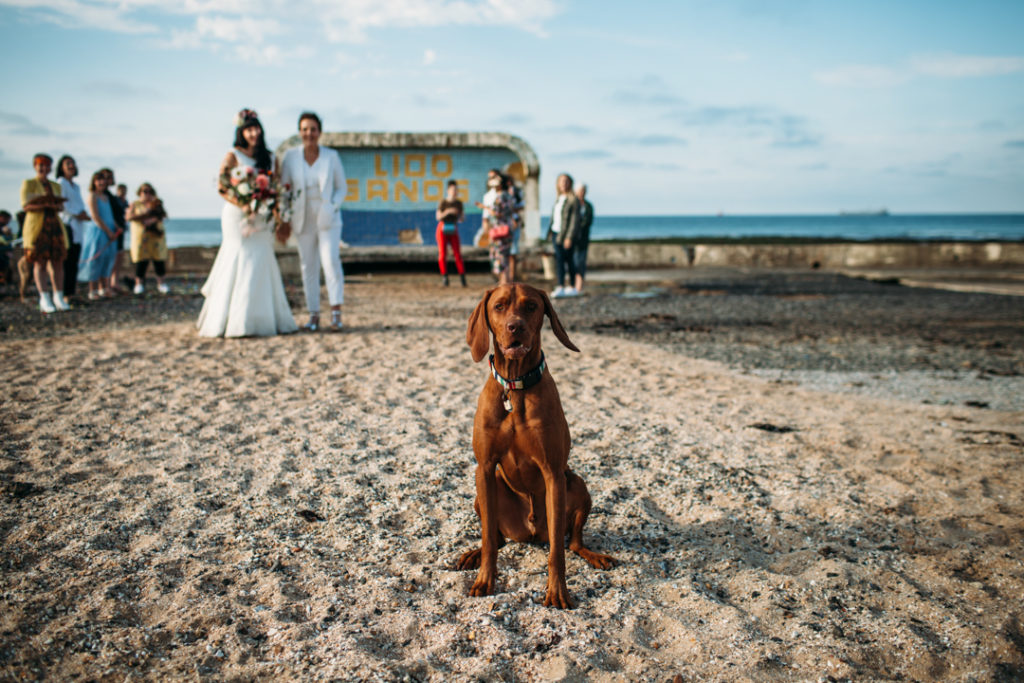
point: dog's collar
(523, 381)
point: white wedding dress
(244, 292)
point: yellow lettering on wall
(409, 192)
(377, 189)
(441, 165)
(394, 164)
(433, 190)
(416, 165)
(377, 170)
(404, 190)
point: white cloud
(349, 20)
(236, 29)
(966, 66)
(251, 22)
(106, 14)
(862, 76)
(429, 57)
(936, 66)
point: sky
(660, 107)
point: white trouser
(316, 247)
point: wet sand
(803, 477)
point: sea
(205, 232)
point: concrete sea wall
(626, 255)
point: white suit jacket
(333, 189)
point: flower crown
(242, 116)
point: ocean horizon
(205, 232)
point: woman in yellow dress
(149, 241)
(46, 244)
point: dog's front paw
(484, 585)
(558, 595)
(469, 560)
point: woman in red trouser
(449, 214)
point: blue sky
(684, 107)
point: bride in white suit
(316, 217)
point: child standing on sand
(149, 241)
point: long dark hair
(264, 162)
(60, 165)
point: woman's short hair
(145, 186)
(312, 117)
(41, 156)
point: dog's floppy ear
(556, 324)
(478, 333)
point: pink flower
(262, 182)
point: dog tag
(508, 404)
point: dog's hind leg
(471, 558)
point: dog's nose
(514, 325)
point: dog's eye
(499, 307)
(530, 306)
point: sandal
(314, 323)
(336, 320)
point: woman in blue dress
(99, 247)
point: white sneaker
(46, 303)
(59, 303)
(570, 291)
(558, 293)
(139, 288)
(163, 288)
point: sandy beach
(803, 476)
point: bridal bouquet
(254, 191)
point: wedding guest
(118, 204)
(149, 241)
(518, 206)
(579, 250)
(317, 173)
(5, 224)
(44, 240)
(486, 206)
(449, 214)
(501, 220)
(100, 242)
(6, 246)
(74, 217)
(563, 232)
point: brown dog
(524, 489)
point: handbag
(499, 232)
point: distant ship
(866, 212)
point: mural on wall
(392, 194)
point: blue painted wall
(393, 193)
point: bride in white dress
(244, 293)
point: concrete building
(395, 181)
